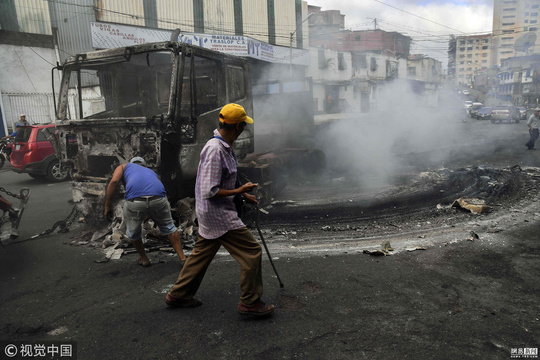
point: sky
(429, 23)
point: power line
(418, 16)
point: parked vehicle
(522, 113)
(473, 110)
(34, 154)
(5, 151)
(484, 113)
(507, 114)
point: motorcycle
(5, 151)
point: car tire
(54, 174)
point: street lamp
(290, 44)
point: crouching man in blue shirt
(145, 197)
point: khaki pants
(242, 246)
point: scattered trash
(282, 202)
(386, 246)
(474, 236)
(474, 205)
(377, 252)
(416, 248)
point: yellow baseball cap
(234, 114)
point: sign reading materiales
(107, 36)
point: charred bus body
(160, 101)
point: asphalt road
(457, 299)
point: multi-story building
(472, 53)
(512, 20)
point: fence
(38, 108)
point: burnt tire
(54, 173)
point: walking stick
(266, 247)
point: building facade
(472, 53)
(515, 28)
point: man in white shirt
(533, 123)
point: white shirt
(533, 122)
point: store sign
(107, 36)
(247, 47)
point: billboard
(107, 36)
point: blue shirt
(141, 181)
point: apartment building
(472, 53)
(513, 20)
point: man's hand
(247, 187)
(250, 198)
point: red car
(33, 154)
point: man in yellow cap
(219, 223)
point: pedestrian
(22, 121)
(533, 123)
(145, 197)
(219, 223)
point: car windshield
(500, 108)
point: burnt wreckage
(160, 101)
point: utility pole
(290, 44)
(374, 22)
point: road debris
(416, 248)
(474, 205)
(474, 236)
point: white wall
(25, 70)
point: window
(508, 38)
(461, 62)
(532, 29)
(484, 61)
(469, 56)
(486, 41)
(484, 55)
(509, 24)
(484, 47)
(469, 42)
(462, 42)
(507, 31)
(533, 21)
(469, 48)
(341, 62)
(461, 56)
(462, 49)
(509, 16)
(526, 21)
(534, 14)
(509, 9)
(237, 86)
(41, 136)
(469, 69)
(534, 6)
(526, 14)
(469, 62)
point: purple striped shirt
(217, 170)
